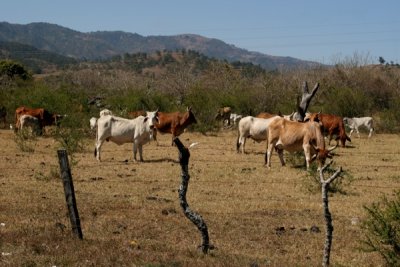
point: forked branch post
(191, 215)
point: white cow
(254, 128)
(93, 122)
(235, 118)
(354, 123)
(105, 112)
(138, 131)
(29, 121)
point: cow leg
(268, 155)
(358, 133)
(140, 147)
(351, 131)
(370, 132)
(97, 149)
(135, 147)
(280, 154)
(307, 154)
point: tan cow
(296, 136)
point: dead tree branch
(191, 215)
(327, 214)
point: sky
(318, 30)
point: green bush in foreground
(382, 229)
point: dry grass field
(130, 213)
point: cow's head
(313, 117)
(152, 117)
(321, 154)
(189, 117)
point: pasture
(130, 213)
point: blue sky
(323, 31)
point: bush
(382, 229)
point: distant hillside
(35, 59)
(105, 44)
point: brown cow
(44, 117)
(266, 115)
(331, 125)
(296, 136)
(135, 114)
(175, 122)
(224, 114)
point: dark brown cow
(3, 115)
(44, 117)
(331, 125)
(175, 122)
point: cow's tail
(95, 144)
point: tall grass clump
(382, 229)
(25, 140)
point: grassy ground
(130, 213)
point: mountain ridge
(105, 44)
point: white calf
(354, 123)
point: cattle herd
(281, 132)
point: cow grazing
(296, 136)
(254, 128)
(28, 121)
(235, 118)
(120, 131)
(354, 123)
(331, 125)
(175, 122)
(93, 122)
(45, 118)
(224, 114)
(105, 112)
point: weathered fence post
(69, 192)
(327, 214)
(192, 216)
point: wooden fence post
(69, 192)
(192, 216)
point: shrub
(382, 229)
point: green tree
(13, 69)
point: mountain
(105, 44)
(37, 60)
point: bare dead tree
(327, 214)
(306, 98)
(191, 215)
